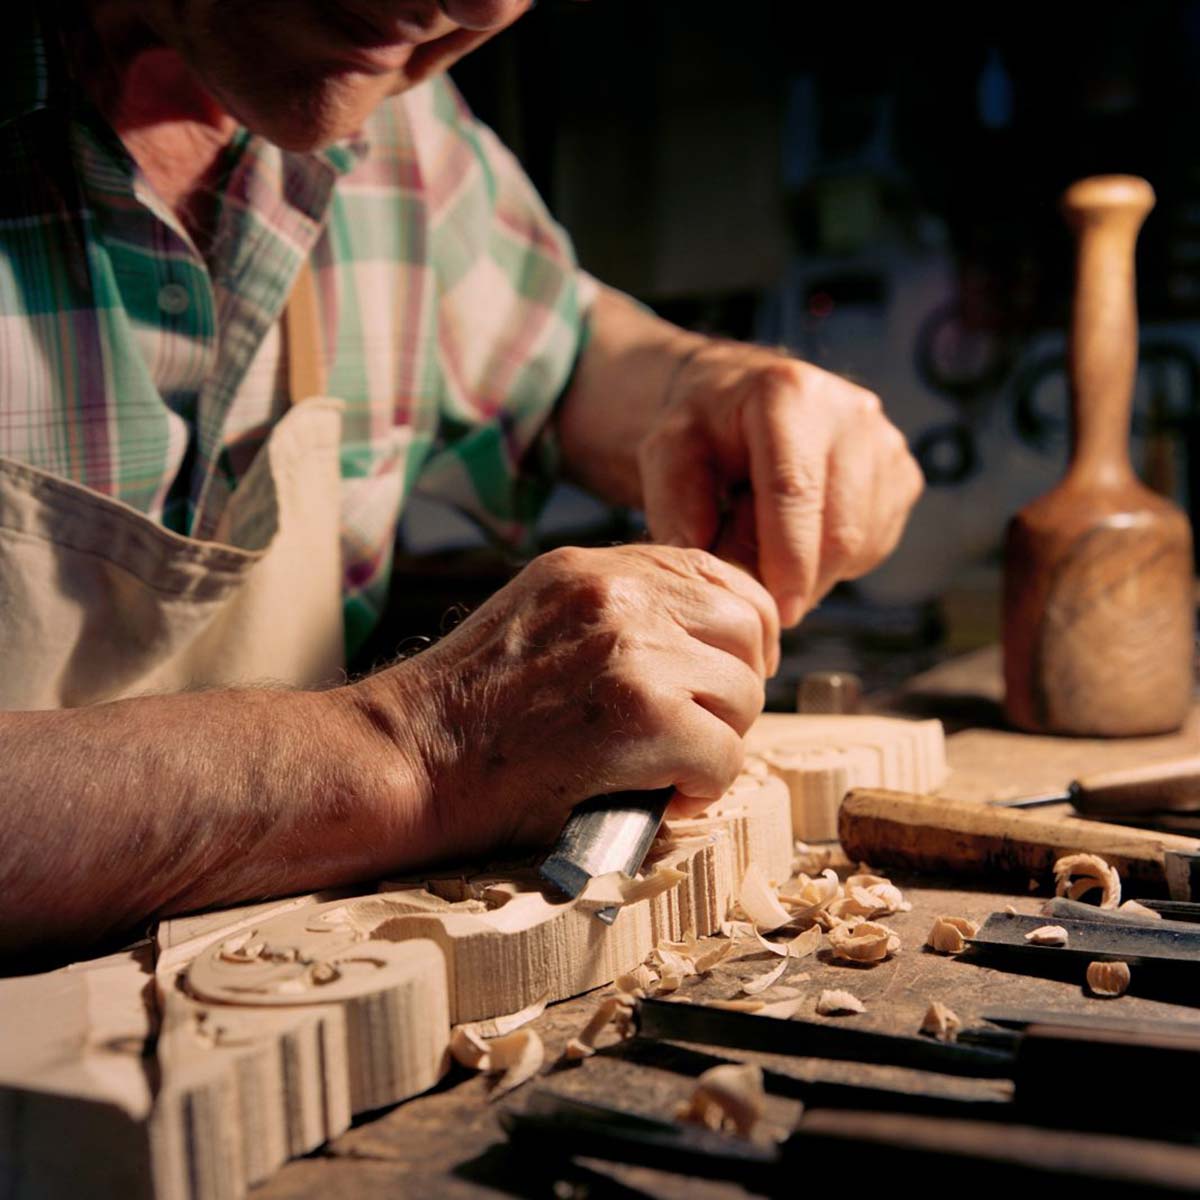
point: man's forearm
(119, 812)
(621, 383)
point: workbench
(449, 1143)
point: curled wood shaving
(835, 1003)
(708, 956)
(812, 892)
(516, 1056)
(519, 1056)
(728, 1097)
(468, 1049)
(759, 902)
(941, 1022)
(857, 902)
(798, 947)
(1047, 935)
(1108, 979)
(641, 981)
(583, 1044)
(948, 935)
(672, 968)
(1140, 910)
(866, 942)
(660, 880)
(755, 987)
(1093, 873)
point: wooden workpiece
(271, 1020)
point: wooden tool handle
(1105, 213)
(1154, 787)
(929, 833)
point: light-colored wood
(821, 758)
(932, 833)
(274, 1024)
(1098, 604)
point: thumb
(679, 491)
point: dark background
(874, 188)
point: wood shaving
(738, 1005)
(812, 892)
(519, 1056)
(729, 1097)
(857, 902)
(583, 1044)
(941, 1022)
(798, 947)
(510, 1022)
(948, 935)
(885, 892)
(759, 902)
(781, 1009)
(1093, 873)
(866, 942)
(672, 968)
(1011, 909)
(836, 1003)
(660, 880)
(1109, 979)
(468, 1049)
(1047, 935)
(711, 955)
(641, 981)
(516, 1056)
(755, 987)
(1140, 910)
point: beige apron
(97, 601)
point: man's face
(305, 73)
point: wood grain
(1098, 598)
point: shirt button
(173, 299)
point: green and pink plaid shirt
(452, 308)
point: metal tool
(1076, 910)
(609, 833)
(1169, 786)
(1160, 944)
(946, 1155)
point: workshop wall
(877, 190)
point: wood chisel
(609, 833)
(946, 1155)
(1169, 786)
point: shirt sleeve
(511, 322)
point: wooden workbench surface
(448, 1143)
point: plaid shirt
(451, 306)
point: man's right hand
(594, 671)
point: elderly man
(263, 275)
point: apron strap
(302, 326)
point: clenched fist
(593, 671)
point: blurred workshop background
(877, 191)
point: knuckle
(847, 541)
(797, 485)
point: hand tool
(1038, 1061)
(608, 833)
(1077, 910)
(1170, 786)
(1099, 609)
(935, 834)
(944, 1154)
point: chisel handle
(932, 833)
(1171, 786)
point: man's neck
(174, 129)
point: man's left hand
(795, 471)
